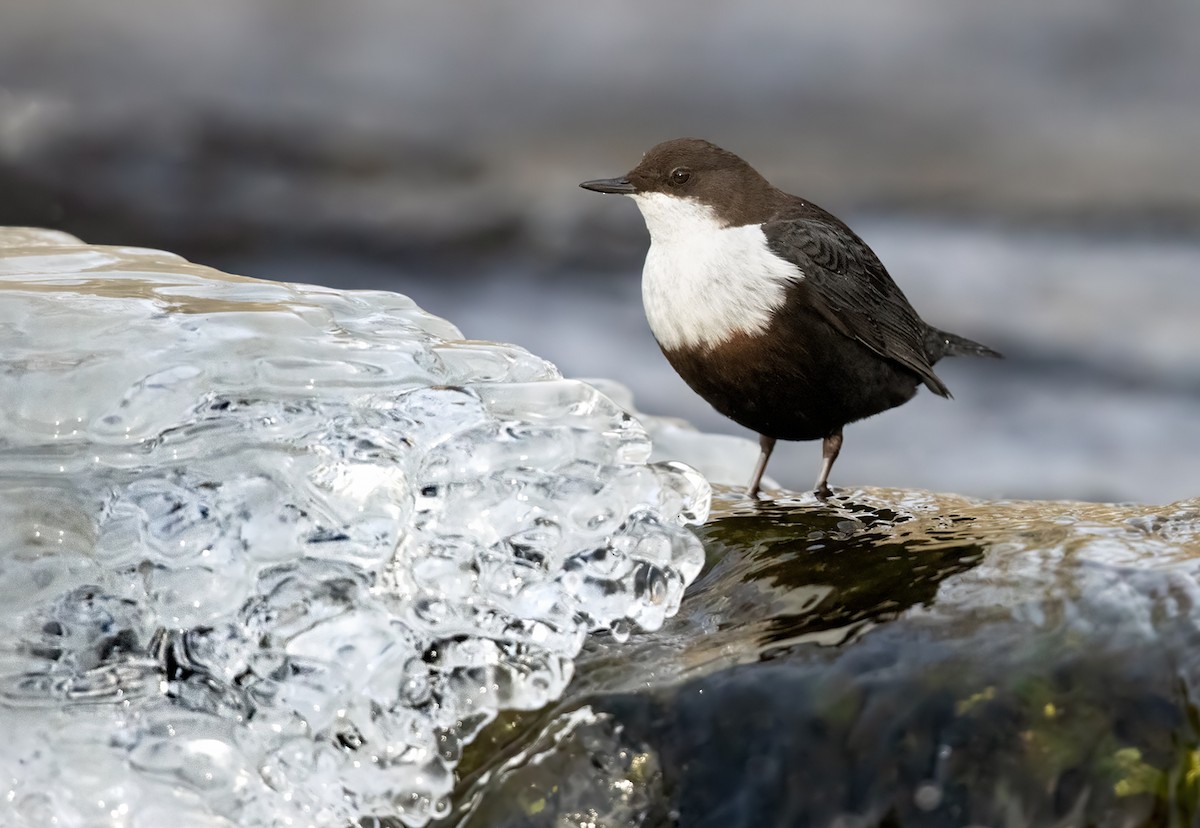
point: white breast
(704, 282)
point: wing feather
(851, 289)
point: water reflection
(827, 572)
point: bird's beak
(621, 186)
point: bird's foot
(823, 492)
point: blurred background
(1028, 172)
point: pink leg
(830, 447)
(766, 444)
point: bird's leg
(766, 444)
(830, 447)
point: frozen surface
(271, 554)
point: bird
(770, 308)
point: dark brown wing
(851, 289)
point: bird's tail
(940, 344)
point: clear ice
(272, 554)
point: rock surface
(888, 659)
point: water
(273, 554)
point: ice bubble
(273, 554)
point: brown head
(700, 172)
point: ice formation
(271, 554)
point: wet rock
(891, 659)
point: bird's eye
(680, 175)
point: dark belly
(802, 381)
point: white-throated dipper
(770, 308)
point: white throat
(704, 282)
